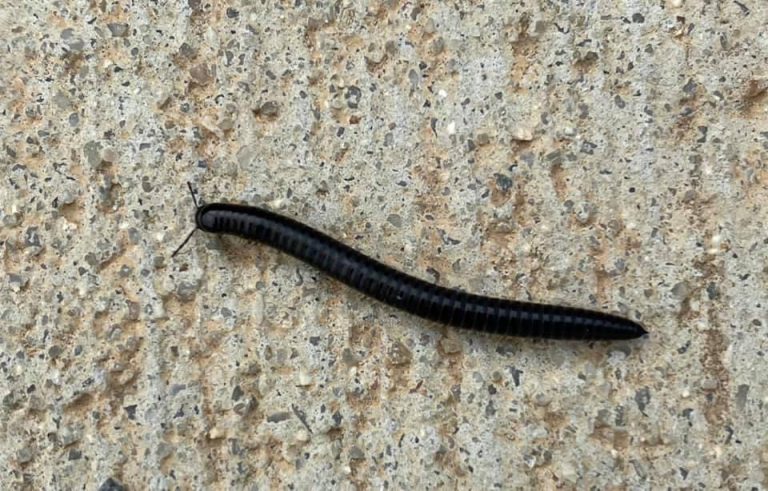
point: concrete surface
(600, 154)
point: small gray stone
(643, 398)
(163, 99)
(269, 110)
(375, 55)
(710, 384)
(355, 453)
(483, 139)
(413, 76)
(490, 410)
(32, 237)
(690, 87)
(12, 400)
(25, 455)
(245, 406)
(92, 151)
(62, 101)
(353, 96)
(55, 351)
(741, 396)
(187, 51)
(246, 155)
(585, 213)
(112, 484)
(11, 220)
(504, 183)
(176, 388)
(395, 219)
(278, 417)
(118, 30)
(69, 435)
(349, 358)
(186, 290)
(226, 124)
(523, 134)
(681, 290)
(17, 282)
(399, 354)
(438, 46)
(201, 74)
(542, 400)
(109, 155)
(237, 393)
(164, 450)
(713, 292)
(450, 345)
(76, 45)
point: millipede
(436, 303)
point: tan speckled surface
(597, 155)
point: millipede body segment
(433, 302)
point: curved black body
(433, 302)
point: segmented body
(384, 283)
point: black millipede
(421, 298)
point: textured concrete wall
(599, 154)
